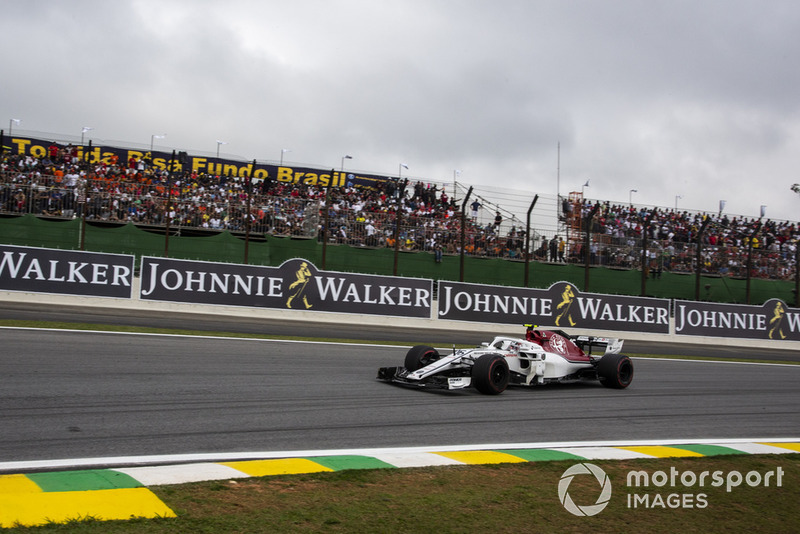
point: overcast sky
(693, 98)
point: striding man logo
(297, 289)
(563, 308)
(776, 323)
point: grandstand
(174, 195)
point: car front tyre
(420, 356)
(490, 374)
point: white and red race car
(541, 357)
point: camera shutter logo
(584, 469)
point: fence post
(82, 205)
(249, 188)
(397, 217)
(528, 239)
(750, 262)
(167, 207)
(797, 274)
(326, 219)
(698, 258)
(463, 232)
(645, 260)
(587, 226)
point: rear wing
(601, 345)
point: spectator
(474, 207)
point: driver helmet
(533, 335)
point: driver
(533, 335)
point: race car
(541, 357)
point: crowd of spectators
(672, 239)
(414, 216)
(59, 185)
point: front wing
(399, 375)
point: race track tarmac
(90, 395)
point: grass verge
(487, 498)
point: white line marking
(347, 344)
(797, 365)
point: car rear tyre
(615, 371)
(420, 356)
(490, 374)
